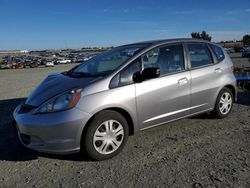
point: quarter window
(168, 58)
(218, 52)
(126, 76)
(199, 55)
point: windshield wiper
(71, 70)
(77, 74)
(82, 74)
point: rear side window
(218, 52)
(199, 55)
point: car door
(168, 97)
(205, 75)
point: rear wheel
(224, 103)
(106, 135)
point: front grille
(25, 139)
(25, 108)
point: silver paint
(149, 103)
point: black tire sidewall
(90, 131)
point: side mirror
(147, 73)
(137, 77)
(151, 72)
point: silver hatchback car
(95, 106)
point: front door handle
(218, 70)
(183, 81)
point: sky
(58, 24)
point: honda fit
(95, 106)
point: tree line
(205, 36)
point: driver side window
(169, 59)
(150, 58)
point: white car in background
(63, 61)
(49, 64)
(87, 58)
(5, 66)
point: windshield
(107, 62)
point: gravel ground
(194, 152)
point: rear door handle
(218, 70)
(183, 81)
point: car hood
(56, 84)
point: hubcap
(108, 137)
(225, 103)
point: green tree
(246, 40)
(202, 35)
(196, 35)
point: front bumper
(57, 133)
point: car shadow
(10, 147)
(243, 98)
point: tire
(246, 86)
(222, 110)
(110, 131)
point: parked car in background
(16, 64)
(63, 61)
(30, 63)
(87, 58)
(95, 106)
(49, 64)
(229, 50)
(238, 49)
(246, 52)
(77, 59)
(5, 65)
(42, 61)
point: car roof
(162, 41)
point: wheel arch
(123, 112)
(228, 86)
(233, 89)
(127, 116)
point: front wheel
(224, 103)
(106, 135)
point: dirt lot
(194, 152)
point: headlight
(61, 102)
